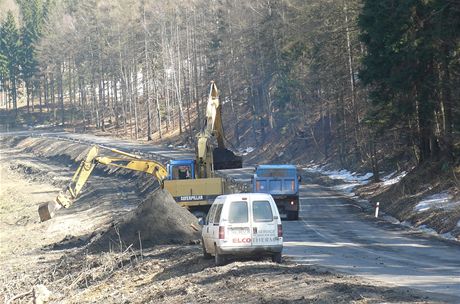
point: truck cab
(282, 182)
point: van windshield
(238, 212)
(262, 211)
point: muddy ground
(55, 253)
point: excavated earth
(158, 220)
(124, 242)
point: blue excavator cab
(181, 169)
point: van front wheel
(276, 258)
(219, 259)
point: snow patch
(431, 231)
(406, 224)
(390, 180)
(391, 219)
(428, 230)
(245, 151)
(346, 188)
(37, 127)
(345, 175)
(448, 236)
(351, 179)
(441, 200)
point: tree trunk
(136, 101)
(61, 94)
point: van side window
(262, 211)
(238, 212)
(218, 213)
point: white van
(244, 224)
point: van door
(214, 226)
(207, 228)
(238, 232)
(264, 226)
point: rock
(41, 294)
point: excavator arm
(128, 161)
(208, 157)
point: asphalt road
(335, 233)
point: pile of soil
(158, 220)
(226, 159)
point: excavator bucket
(226, 159)
(46, 211)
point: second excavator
(199, 191)
(208, 156)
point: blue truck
(282, 182)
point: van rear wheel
(206, 255)
(276, 258)
(219, 259)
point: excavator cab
(181, 169)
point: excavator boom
(211, 158)
(128, 161)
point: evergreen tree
(32, 12)
(3, 63)
(401, 66)
(10, 49)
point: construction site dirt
(122, 242)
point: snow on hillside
(443, 200)
(391, 179)
(350, 179)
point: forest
(361, 82)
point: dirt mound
(158, 220)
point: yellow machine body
(195, 192)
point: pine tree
(32, 13)
(10, 48)
(400, 67)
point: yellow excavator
(199, 191)
(191, 182)
(126, 160)
(209, 157)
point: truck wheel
(219, 259)
(276, 258)
(206, 255)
